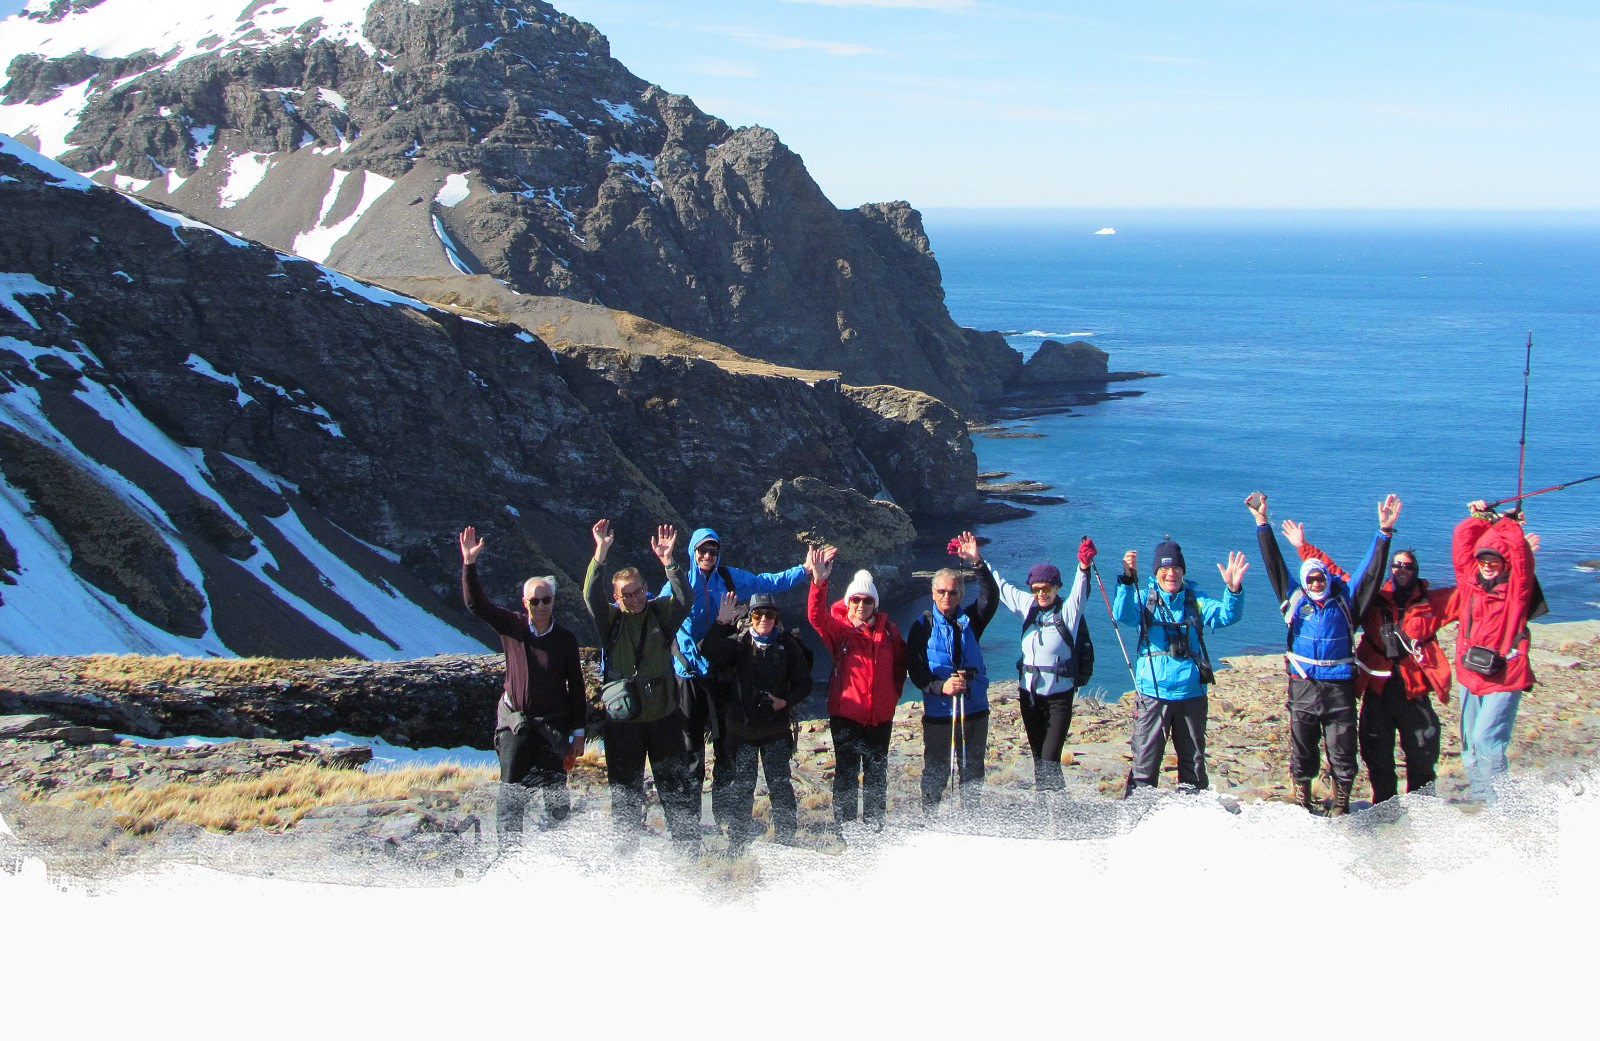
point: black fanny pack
(1485, 661)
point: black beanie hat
(1167, 555)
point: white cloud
(778, 42)
(922, 5)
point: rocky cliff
(436, 136)
(210, 446)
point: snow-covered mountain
(426, 137)
(212, 446)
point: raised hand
(1130, 563)
(1388, 511)
(1233, 574)
(1256, 503)
(603, 538)
(664, 543)
(471, 545)
(728, 609)
(1294, 532)
(967, 548)
(1087, 552)
(1533, 541)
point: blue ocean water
(1327, 359)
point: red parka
(1426, 669)
(869, 665)
(1496, 618)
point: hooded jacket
(705, 598)
(1321, 634)
(869, 665)
(1158, 673)
(1497, 617)
(1424, 668)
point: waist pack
(1485, 661)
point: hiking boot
(1341, 799)
(1302, 795)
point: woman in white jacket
(1046, 672)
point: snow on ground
(450, 250)
(49, 122)
(205, 368)
(245, 173)
(318, 243)
(16, 284)
(454, 192)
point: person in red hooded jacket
(869, 668)
(1399, 664)
(1495, 593)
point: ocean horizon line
(1095, 218)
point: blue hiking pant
(1486, 721)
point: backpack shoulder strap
(727, 577)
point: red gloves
(1086, 552)
(953, 547)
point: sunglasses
(1040, 589)
(707, 549)
(757, 616)
(946, 592)
(861, 600)
(1401, 565)
(629, 594)
(540, 601)
(1318, 577)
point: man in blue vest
(944, 660)
(709, 579)
(1321, 612)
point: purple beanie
(1044, 575)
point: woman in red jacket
(869, 668)
(1493, 562)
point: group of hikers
(708, 658)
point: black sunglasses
(540, 600)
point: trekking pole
(1522, 443)
(1553, 488)
(958, 705)
(1112, 615)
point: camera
(1178, 642)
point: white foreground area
(1187, 922)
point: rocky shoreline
(436, 835)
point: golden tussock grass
(275, 800)
(136, 669)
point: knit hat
(1309, 568)
(1167, 555)
(1044, 575)
(862, 585)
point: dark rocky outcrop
(1077, 362)
(257, 401)
(585, 182)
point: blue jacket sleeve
(747, 584)
(1218, 613)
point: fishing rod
(1553, 488)
(1522, 443)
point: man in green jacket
(636, 642)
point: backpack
(1191, 616)
(1082, 644)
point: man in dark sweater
(539, 724)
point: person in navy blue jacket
(944, 659)
(1321, 612)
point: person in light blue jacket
(1172, 667)
(709, 579)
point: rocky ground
(43, 759)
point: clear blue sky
(1125, 103)
(1228, 103)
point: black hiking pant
(738, 795)
(666, 744)
(1318, 710)
(1186, 721)
(1046, 721)
(970, 747)
(528, 763)
(1389, 713)
(702, 697)
(861, 765)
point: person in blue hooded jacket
(1172, 669)
(1321, 612)
(709, 579)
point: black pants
(969, 750)
(1186, 720)
(1385, 714)
(1046, 721)
(528, 762)
(666, 744)
(738, 794)
(702, 697)
(1318, 710)
(861, 764)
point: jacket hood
(1499, 538)
(705, 535)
